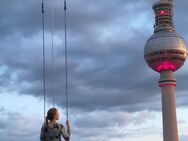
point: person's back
(53, 131)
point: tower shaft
(167, 84)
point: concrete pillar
(167, 84)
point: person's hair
(51, 114)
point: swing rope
(66, 60)
(52, 50)
(52, 55)
(44, 73)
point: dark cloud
(106, 69)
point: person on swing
(52, 130)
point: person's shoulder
(44, 125)
(60, 125)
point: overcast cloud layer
(110, 85)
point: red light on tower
(166, 66)
(163, 12)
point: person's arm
(65, 133)
(42, 134)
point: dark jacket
(53, 132)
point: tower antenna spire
(163, 16)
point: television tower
(165, 52)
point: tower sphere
(165, 51)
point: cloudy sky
(113, 94)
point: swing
(52, 58)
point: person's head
(52, 114)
